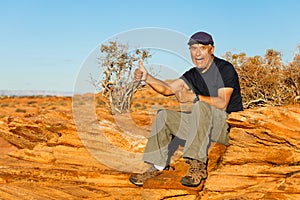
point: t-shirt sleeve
(186, 77)
(229, 76)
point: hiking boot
(138, 179)
(195, 174)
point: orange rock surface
(73, 148)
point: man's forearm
(217, 102)
(159, 86)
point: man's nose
(198, 52)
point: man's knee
(161, 114)
(168, 117)
(202, 107)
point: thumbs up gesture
(141, 73)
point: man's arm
(182, 90)
(221, 101)
(163, 87)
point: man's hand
(184, 95)
(141, 73)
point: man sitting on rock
(213, 86)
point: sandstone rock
(46, 156)
(51, 160)
(263, 159)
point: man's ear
(212, 49)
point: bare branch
(117, 83)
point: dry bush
(267, 80)
(117, 83)
(292, 74)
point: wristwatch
(196, 98)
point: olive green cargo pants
(204, 124)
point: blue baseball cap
(201, 38)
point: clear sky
(43, 43)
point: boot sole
(188, 184)
(135, 183)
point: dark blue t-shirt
(220, 74)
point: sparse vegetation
(4, 105)
(19, 110)
(136, 105)
(31, 102)
(117, 83)
(143, 107)
(100, 103)
(267, 80)
(61, 103)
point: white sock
(159, 167)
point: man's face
(201, 55)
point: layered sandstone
(53, 150)
(263, 159)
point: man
(213, 86)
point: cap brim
(191, 42)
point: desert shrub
(144, 107)
(117, 83)
(31, 102)
(100, 103)
(61, 103)
(267, 80)
(19, 110)
(4, 105)
(137, 105)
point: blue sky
(43, 43)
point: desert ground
(74, 148)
